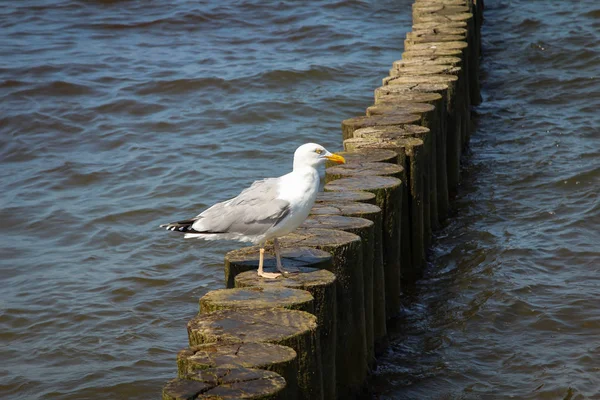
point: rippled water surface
(510, 304)
(119, 115)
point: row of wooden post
(316, 334)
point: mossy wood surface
(272, 357)
(346, 249)
(373, 213)
(257, 297)
(246, 259)
(227, 384)
(351, 124)
(360, 156)
(365, 229)
(389, 198)
(363, 169)
(292, 328)
(357, 196)
(322, 286)
(422, 173)
(412, 210)
(453, 123)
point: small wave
(58, 88)
(180, 86)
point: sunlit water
(118, 116)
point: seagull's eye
(318, 151)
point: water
(508, 308)
(118, 116)
(121, 115)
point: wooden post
(412, 244)
(292, 328)
(227, 383)
(255, 298)
(366, 156)
(351, 124)
(423, 170)
(347, 265)
(389, 198)
(271, 357)
(372, 213)
(360, 196)
(454, 120)
(365, 229)
(246, 259)
(363, 169)
(435, 122)
(321, 284)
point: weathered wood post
(372, 213)
(227, 383)
(409, 152)
(255, 298)
(246, 259)
(365, 229)
(321, 284)
(454, 119)
(435, 121)
(292, 328)
(388, 192)
(347, 265)
(271, 357)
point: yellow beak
(336, 158)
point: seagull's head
(313, 155)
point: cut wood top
(254, 298)
(433, 78)
(365, 169)
(306, 279)
(357, 196)
(392, 107)
(364, 156)
(391, 132)
(431, 59)
(345, 208)
(408, 97)
(263, 325)
(234, 355)
(225, 384)
(351, 124)
(292, 257)
(341, 222)
(397, 89)
(321, 238)
(369, 183)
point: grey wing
(252, 212)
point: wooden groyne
(316, 334)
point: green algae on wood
(388, 192)
(321, 283)
(227, 384)
(365, 229)
(272, 357)
(271, 297)
(372, 213)
(351, 124)
(363, 197)
(246, 259)
(292, 328)
(347, 265)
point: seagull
(268, 209)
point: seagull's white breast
(299, 188)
